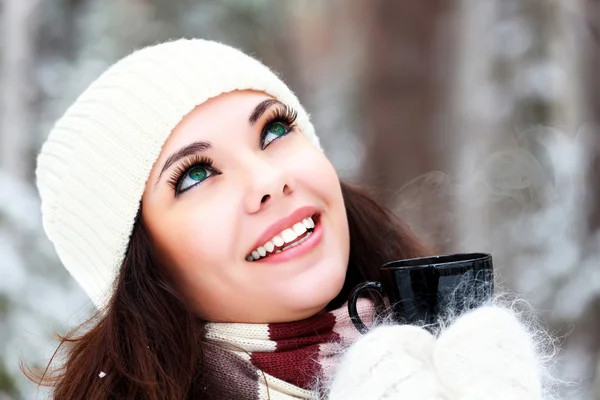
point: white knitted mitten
(389, 362)
(487, 354)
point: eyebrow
(260, 109)
(185, 151)
(197, 147)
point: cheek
(194, 241)
(317, 174)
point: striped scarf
(279, 361)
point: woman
(187, 193)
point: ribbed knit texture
(92, 170)
(484, 354)
(284, 360)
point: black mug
(421, 290)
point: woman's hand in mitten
(389, 362)
(487, 354)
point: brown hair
(149, 344)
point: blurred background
(475, 120)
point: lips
(288, 238)
(285, 232)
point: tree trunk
(401, 93)
(18, 42)
(591, 66)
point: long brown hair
(147, 344)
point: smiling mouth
(286, 239)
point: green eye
(198, 173)
(194, 176)
(275, 131)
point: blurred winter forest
(476, 120)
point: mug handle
(360, 326)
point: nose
(267, 181)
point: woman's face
(247, 214)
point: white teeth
(299, 228)
(308, 223)
(297, 243)
(261, 250)
(288, 235)
(278, 241)
(269, 246)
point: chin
(309, 298)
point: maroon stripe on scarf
(296, 357)
(318, 324)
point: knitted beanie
(91, 171)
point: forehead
(212, 117)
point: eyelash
(194, 160)
(282, 114)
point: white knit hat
(92, 170)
